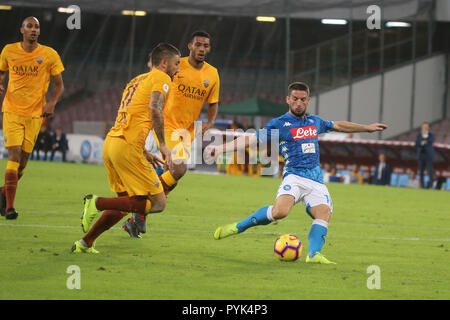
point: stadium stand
(441, 130)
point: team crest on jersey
(39, 60)
(206, 83)
(304, 133)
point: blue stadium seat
(394, 179)
(402, 180)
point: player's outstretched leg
(108, 219)
(114, 210)
(262, 216)
(317, 236)
(90, 211)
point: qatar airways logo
(304, 133)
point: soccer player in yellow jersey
(130, 175)
(30, 67)
(197, 83)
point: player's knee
(322, 212)
(158, 204)
(158, 207)
(14, 153)
(279, 213)
(179, 170)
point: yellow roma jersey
(134, 120)
(29, 77)
(191, 89)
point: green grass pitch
(406, 233)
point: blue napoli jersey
(298, 143)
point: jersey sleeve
(3, 60)
(269, 132)
(57, 66)
(324, 125)
(214, 94)
(162, 84)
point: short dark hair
(200, 33)
(300, 86)
(163, 51)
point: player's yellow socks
(148, 206)
(11, 178)
(168, 182)
(12, 166)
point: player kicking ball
(302, 177)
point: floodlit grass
(404, 232)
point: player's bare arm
(2, 78)
(212, 114)
(156, 110)
(345, 126)
(241, 143)
(49, 108)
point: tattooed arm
(156, 111)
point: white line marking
(339, 236)
(233, 219)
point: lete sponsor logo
(304, 133)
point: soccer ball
(287, 247)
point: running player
(130, 175)
(302, 177)
(30, 67)
(197, 83)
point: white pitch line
(223, 217)
(339, 236)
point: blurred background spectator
(425, 154)
(354, 176)
(413, 182)
(59, 143)
(383, 171)
(43, 143)
(326, 171)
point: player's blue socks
(261, 217)
(317, 235)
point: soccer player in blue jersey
(302, 177)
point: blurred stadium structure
(395, 75)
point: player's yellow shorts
(20, 131)
(179, 141)
(128, 170)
